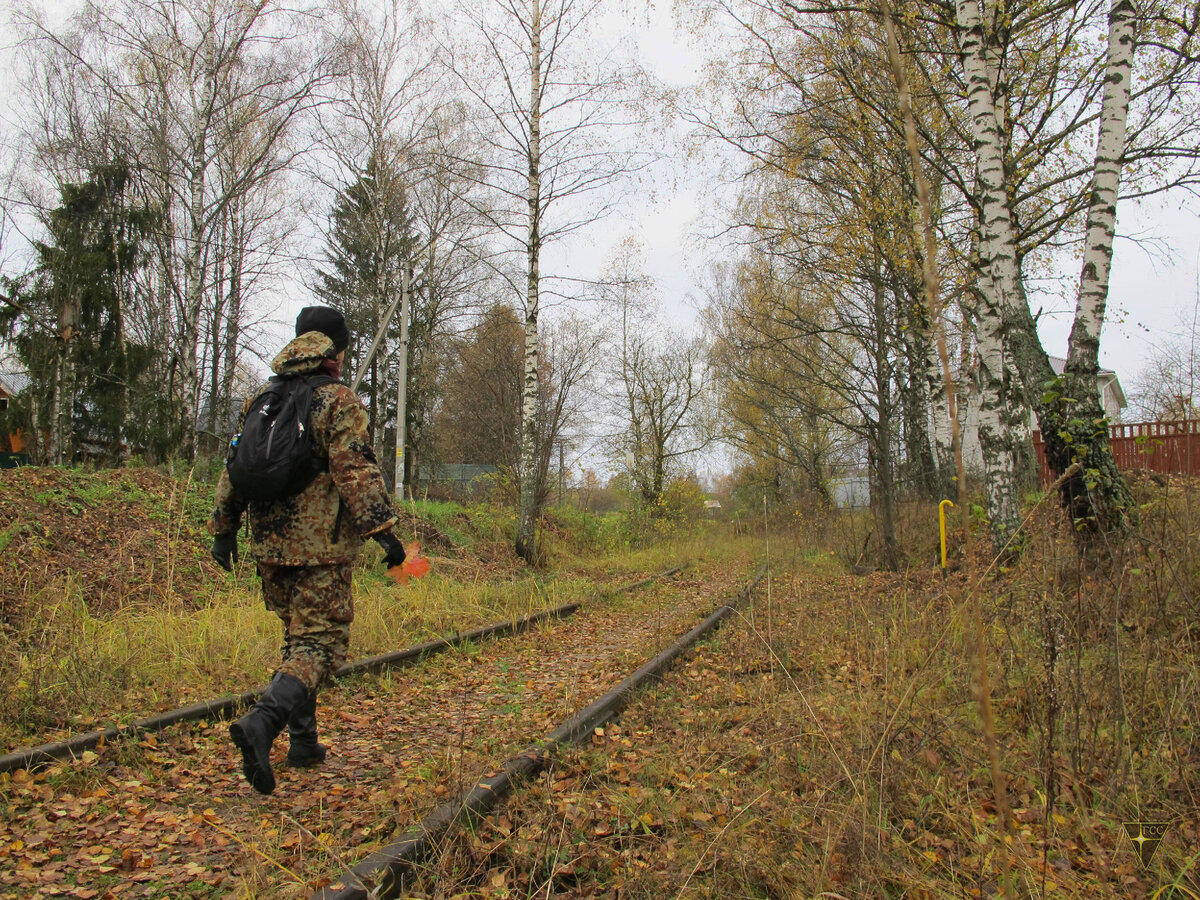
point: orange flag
(414, 565)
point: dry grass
(68, 667)
(831, 743)
(828, 743)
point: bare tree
(397, 139)
(372, 130)
(657, 385)
(183, 80)
(551, 106)
(569, 356)
(9, 156)
(1168, 386)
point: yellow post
(942, 525)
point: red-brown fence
(1167, 447)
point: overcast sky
(1155, 283)
(1154, 279)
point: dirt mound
(124, 536)
(139, 535)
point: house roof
(1107, 377)
(12, 383)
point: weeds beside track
(171, 815)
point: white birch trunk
(1066, 417)
(402, 386)
(999, 229)
(1083, 360)
(194, 263)
(193, 276)
(53, 451)
(1000, 278)
(1099, 498)
(527, 526)
(941, 427)
(233, 316)
(996, 440)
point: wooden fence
(1167, 447)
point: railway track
(383, 873)
(166, 814)
(230, 706)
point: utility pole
(402, 383)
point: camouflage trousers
(315, 605)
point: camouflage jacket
(327, 521)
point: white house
(1112, 397)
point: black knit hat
(327, 320)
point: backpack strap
(319, 463)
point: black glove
(393, 550)
(224, 550)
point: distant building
(850, 492)
(1112, 398)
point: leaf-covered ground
(825, 744)
(828, 742)
(172, 817)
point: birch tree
(1007, 320)
(1014, 152)
(182, 77)
(1031, 185)
(554, 111)
(454, 277)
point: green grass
(466, 526)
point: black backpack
(273, 457)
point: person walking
(305, 544)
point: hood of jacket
(303, 355)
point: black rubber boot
(305, 749)
(254, 732)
